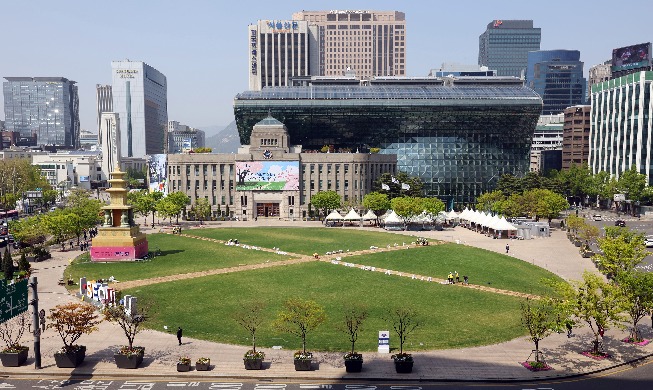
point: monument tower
(119, 238)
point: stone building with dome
(270, 178)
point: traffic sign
(13, 299)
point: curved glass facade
(458, 140)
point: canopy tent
(504, 225)
(352, 215)
(369, 216)
(334, 216)
(452, 215)
(393, 218)
(465, 214)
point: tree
(72, 320)
(58, 225)
(326, 201)
(636, 289)
(203, 150)
(406, 207)
(577, 181)
(202, 209)
(396, 185)
(538, 318)
(632, 183)
(12, 330)
(594, 302)
(352, 324)
(549, 204)
(18, 176)
(299, 317)
(404, 321)
(432, 206)
(377, 202)
(249, 316)
(30, 231)
(130, 323)
(621, 250)
(8, 266)
(23, 263)
(490, 201)
(178, 201)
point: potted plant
(249, 317)
(11, 331)
(404, 321)
(352, 324)
(298, 317)
(128, 356)
(71, 321)
(183, 364)
(203, 364)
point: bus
(8, 215)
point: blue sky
(201, 45)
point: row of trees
(170, 206)
(79, 214)
(620, 301)
(535, 203)
(18, 176)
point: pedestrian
(457, 277)
(179, 332)
(71, 244)
(465, 280)
(569, 327)
(450, 278)
(507, 248)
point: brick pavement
(492, 362)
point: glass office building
(459, 138)
(47, 107)
(557, 76)
(505, 44)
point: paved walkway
(491, 362)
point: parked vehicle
(597, 217)
(620, 222)
(648, 241)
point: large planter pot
(354, 365)
(129, 361)
(253, 364)
(404, 367)
(183, 367)
(578, 244)
(14, 359)
(203, 366)
(70, 359)
(303, 364)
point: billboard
(158, 172)
(186, 145)
(83, 178)
(267, 175)
(631, 57)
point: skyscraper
(140, 98)
(45, 106)
(505, 44)
(371, 43)
(279, 50)
(557, 76)
(104, 98)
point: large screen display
(158, 168)
(631, 57)
(267, 175)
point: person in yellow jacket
(457, 277)
(450, 278)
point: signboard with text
(384, 341)
(13, 299)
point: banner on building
(158, 171)
(267, 175)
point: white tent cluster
(488, 220)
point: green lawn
(452, 317)
(483, 267)
(179, 255)
(304, 240)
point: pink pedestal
(119, 253)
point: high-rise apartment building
(110, 142)
(47, 107)
(557, 76)
(621, 125)
(104, 99)
(279, 50)
(576, 136)
(140, 98)
(505, 44)
(370, 43)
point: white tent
(452, 215)
(504, 225)
(465, 214)
(334, 216)
(369, 216)
(393, 218)
(352, 215)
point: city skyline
(201, 47)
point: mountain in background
(226, 141)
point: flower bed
(641, 342)
(536, 366)
(600, 356)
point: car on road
(648, 241)
(597, 217)
(620, 222)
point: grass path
(336, 259)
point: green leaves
(326, 201)
(299, 317)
